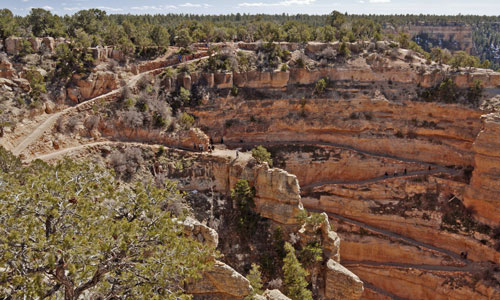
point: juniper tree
(71, 231)
(262, 155)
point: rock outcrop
(273, 295)
(6, 69)
(96, 84)
(220, 283)
(341, 283)
(483, 193)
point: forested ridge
(135, 32)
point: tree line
(135, 33)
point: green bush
(475, 92)
(234, 91)
(311, 253)
(185, 95)
(37, 84)
(320, 86)
(70, 220)
(262, 155)
(344, 50)
(186, 120)
(284, 67)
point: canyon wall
(277, 198)
(393, 175)
(484, 191)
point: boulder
(50, 107)
(341, 284)
(277, 195)
(96, 84)
(118, 55)
(201, 232)
(221, 282)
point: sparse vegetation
(320, 86)
(262, 155)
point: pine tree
(73, 232)
(295, 276)
(254, 276)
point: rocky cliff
(393, 172)
(484, 189)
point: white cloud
(46, 7)
(26, 0)
(154, 7)
(379, 1)
(107, 8)
(188, 4)
(281, 3)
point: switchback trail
(321, 143)
(392, 235)
(49, 123)
(375, 179)
(433, 167)
(467, 269)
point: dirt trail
(320, 143)
(433, 168)
(381, 291)
(49, 123)
(392, 235)
(470, 268)
(380, 178)
(218, 152)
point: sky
(439, 7)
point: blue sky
(61, 7)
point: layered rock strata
(483, 193)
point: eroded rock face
(341, 283)
(426, 284)
(6, 69)
(484, 190)
(220, 283)
(278, 195)
(438, 133)
(95, 85)
(13, 45)
(201, 232)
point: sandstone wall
(428, 285)
(94, 85)
(484, 190)
(448, 141)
